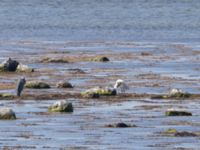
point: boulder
(37, 85)
(63, 84)
(61, 106)
(9, 65)
(7, 113)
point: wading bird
(120, 84)
(20, 86)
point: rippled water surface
(132, 20)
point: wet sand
(148, 68)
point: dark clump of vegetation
(177, 113)
(120, 125)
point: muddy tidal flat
(149, 69)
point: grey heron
(20, 86)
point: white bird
(120, 84)
(175, 91)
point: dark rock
(120, 125)
(9, 65)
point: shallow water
(167, 31)
(84, 129)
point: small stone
(7, 114)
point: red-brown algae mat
(149, 69)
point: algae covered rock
(90, 95)
(96, 92)
(101, 59)
(2, 68)
(171, 131)
(7, 114)
(177, 113)
(173, 94)
(6, 95)
(37, 85)
(63, 84)
(55, 60)
(61, 106)
(174, 132)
